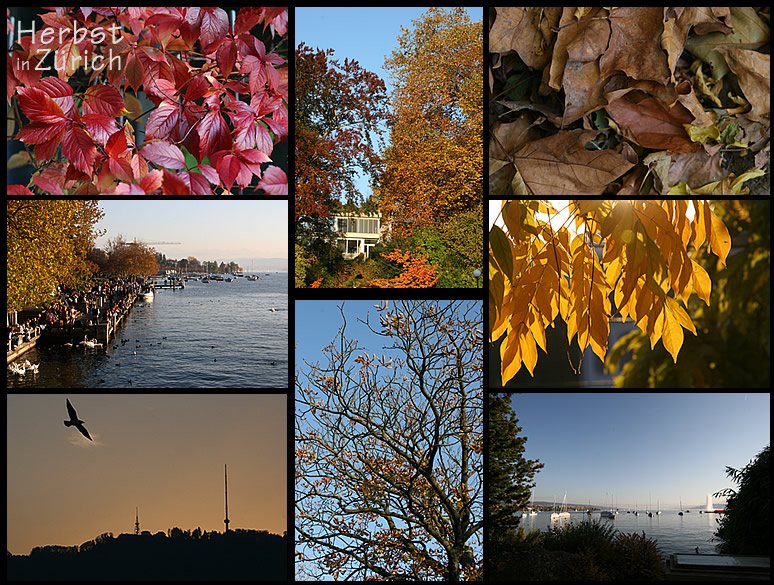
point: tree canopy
(389, 449)
(433, 166)
(627, 257)
(47, 242)
(338, 107)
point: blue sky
(367, 35)
(669, 445)
(224, 230)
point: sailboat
(555, 516)
(532, 510)
(680, 513)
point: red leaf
(174, 185)
(134, 73)
(227, 54)
(213, 134)
(162, 120)
(274, 181)
(79, 149)
(99, 126)
(103, 99)
(18, 190)
(60, 92)
(38, 132)
(214, 27)
(164, 154)
(116, 144)
(38, 106)
(121, 169)
(228, 169)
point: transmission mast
(136, 522)
(226, 521)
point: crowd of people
(74, 310)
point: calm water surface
(234, 317)
(674, 534)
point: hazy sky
(366, 34)
(224, 229)
(163, 453)
(669, 445)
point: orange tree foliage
(434, 163)
(338, 106)
(537, 273)
(47, 243)
(416, 272)
(389, 449)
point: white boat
(148, 296)
(532, 510)
(556, 516)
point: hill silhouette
(255, 555)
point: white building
(357, 233)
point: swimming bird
(74, 421)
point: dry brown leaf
(649, 123)
(634, 44)
(754, 72)
(526, 31)
(560, 165)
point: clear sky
(224, 230)
(366, 34)
(163, 453)
(670, 446)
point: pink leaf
(162, 120)
(164, 154)
(214, 27)
(274, 181)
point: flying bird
(74, 421)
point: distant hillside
(182, 555)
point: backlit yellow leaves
(626, 256)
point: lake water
(674, 534)
(234, 317)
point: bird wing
(81, 428)
(71, 411)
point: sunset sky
(159, 452)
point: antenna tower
(226, 478)
(136, 521)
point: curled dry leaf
(754, 72)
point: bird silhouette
(74, 421)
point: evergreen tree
(745, 528)
(510, 474)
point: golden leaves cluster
(629, 254)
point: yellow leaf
(679, 313)
(720, 240)
(672, 336)
(701, 133)
(736, 184)
(529, 352)
(701, 282)
(510, 356)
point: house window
(353, 246)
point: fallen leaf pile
(629, 100)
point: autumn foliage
(628, 257)
(433, 166)
(338, 106)
(416, 272)
(389, 449)
(633, 100)
(219, 98)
